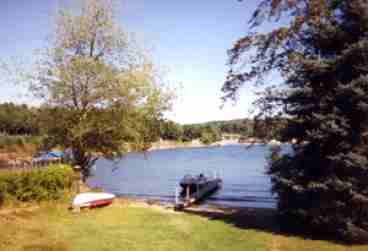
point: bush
(36, 185)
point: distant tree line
(24, 120)
(18, 119)
(214, 131)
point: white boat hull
(92, 199)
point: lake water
(156, 174)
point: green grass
(122, 227)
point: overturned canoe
(93, 199)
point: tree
(18, 119)
(210, 134)
(171, 130)
(101, 93)
(191, 132)
(322, 53)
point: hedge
(49, 183)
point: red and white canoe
(92, 200)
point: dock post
(176, 196)
(188, 193)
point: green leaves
(210, 134)
(101, 91)
(322, 56)
(36, 185)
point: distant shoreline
(166, 144)
(20, 158)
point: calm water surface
(156, 174)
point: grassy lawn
(125, 226)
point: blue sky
(188, 38)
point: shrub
(36, 185)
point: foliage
(36, 185)
(170, 130)
(210, 134)
(191, 132)
(18, 119)
(100, 90)
(214, 130)
(242, 127)
(19, 144)
(321, 52)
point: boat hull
(92, 200)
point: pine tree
(323, 56)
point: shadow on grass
(244, 218)
(260, 219)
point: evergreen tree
(323, 56)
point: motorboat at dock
(195, 188)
